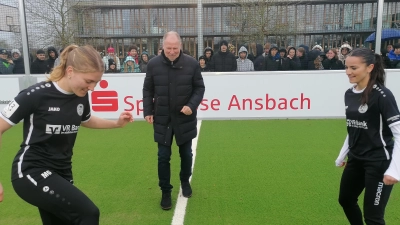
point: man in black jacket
(39, 66)
(172, 91)
(224, 60)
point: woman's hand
(124, 118)
(389, 180)
(1, 193)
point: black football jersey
(52, 118)
(368, 125)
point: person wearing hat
(39, 66)
(112, 67)
(111, 55)
(130, 66)
(223, 60)
(18, 62)
(318, 47)
(203, 64)
(6, 64)
(344, 52)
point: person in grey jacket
(243, 63)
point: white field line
(180, 209)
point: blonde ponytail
(84, 59)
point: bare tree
(52, 22)
(4, 44)
(258, 20)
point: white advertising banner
(9, 88)
(236, 95)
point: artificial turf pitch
(246, 172)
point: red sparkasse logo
(104, 101)
(107, 100)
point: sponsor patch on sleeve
(10, 109)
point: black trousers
(164, 170)
(58, 200)
(357, 176)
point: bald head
(172, 45)
(172, 35)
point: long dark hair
(377, 75)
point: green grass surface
(246, 172)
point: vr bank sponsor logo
(61, 129)
(357, 124)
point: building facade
(143, 23)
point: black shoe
(166, 202)
(186, 189)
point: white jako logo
(46, 189)
(80, 109)
(363, 108)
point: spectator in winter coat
(282, 53)
(18, 62)
(111, 55)
(255, 50)
(291, 62)
(6, 64)
(223, 60)
(243, 63)
(389, 47)
(53, 55)
(260, 59)
(112, 67)
(130, 66)
(134, 52)
(344, 51)
(272, 60)
(332, 61)
(39, 66)
(208, 53)
(302, 55)
(203, 65)
(315, 60)
(394, 56)
(144, 59)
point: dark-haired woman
(372, 145)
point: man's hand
(149, 119)
(186, 110)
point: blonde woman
(53, 112)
